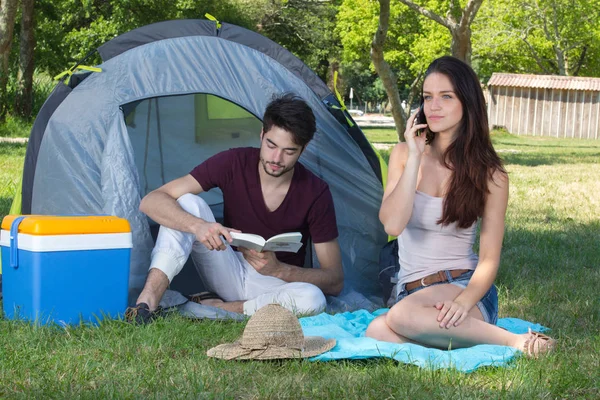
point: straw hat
(272, 332)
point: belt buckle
(423, 284)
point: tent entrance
(170, 135)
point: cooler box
(65, 269)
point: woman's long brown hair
(471, 156)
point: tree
(307, 29)
(458, 21)
(542, 36)
(24, 100)
(8, 11)
(357, 22)
(67, 30)
(404, 49)
(383, 68)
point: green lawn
(381, 135)
(549, 274)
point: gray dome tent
(170, 95)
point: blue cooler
(65, 270)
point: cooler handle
(14, 242)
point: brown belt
(438, 277)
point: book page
(247, 240)
(289, 237)
(291, 241)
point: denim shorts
(488, 305)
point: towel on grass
(349, 330)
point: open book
(291, 241)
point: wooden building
(545, 105)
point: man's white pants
(227, 273)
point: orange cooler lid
(68, 225)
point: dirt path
(13, 140)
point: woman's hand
(451, 313)
(416, 144)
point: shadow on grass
(537, 159)
(552, 275)
(554, 145)
(12, 149)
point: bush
(16, 126)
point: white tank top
(426, 247)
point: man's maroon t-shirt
(307, 207)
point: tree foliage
(306, 28)
(522, 36)
(406, 49)
(458, 21)
(554, 37)
(67, 30)
(84, 25)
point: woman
(440, 182)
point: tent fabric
(182, 28)
(57, 96)
(89, 160)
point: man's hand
(266, 262)
(209, 234)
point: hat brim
(313, 346)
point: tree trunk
(383, 69)
(24, 102)
(8, 11)
(580, 61)
(461, 44)
(561, 60)
(458, 23)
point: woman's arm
(403, 172)
(490, 246)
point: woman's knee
(378, 328)
(404, 317)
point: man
(266, 192)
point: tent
(168, 96)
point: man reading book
(267, 192)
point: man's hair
(292, 113)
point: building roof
(545, 81)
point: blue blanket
(349, 329)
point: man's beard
(274, 174)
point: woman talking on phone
(441, 181)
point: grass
(381, 135)
(549, 274)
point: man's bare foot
(213, 300)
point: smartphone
(420, 118)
